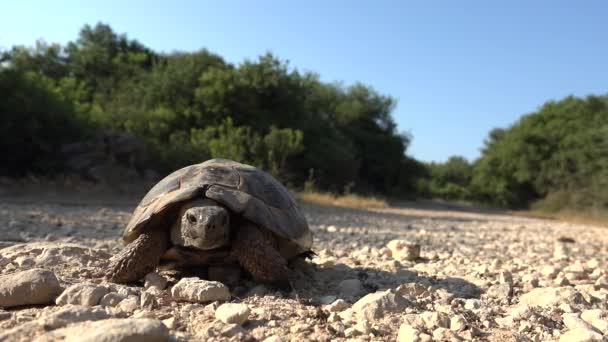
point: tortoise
(213, 213)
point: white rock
(130, 304)
(170, 322)
(376, 305)
(407, 333)
(86, 294)
(505, 277)
(233, 313)
(147, 300)
(35, 286)
(350, 287)
(200, 291)
(364, 327)
(111, 299)
(551, 296)
(155, 280)
(337, 306)
(275, 338)
(411, 290)
(597, 318)
(581, 335)
(458, 323)
(500, 291)
(434, 320)
(111, 330)
(443, 334)
(573, 321)
(72, 314)
(549, 272)
(404, 250)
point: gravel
(408, 274)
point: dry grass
(590, 217)
(350, 200)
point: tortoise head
(203, 224)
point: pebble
(111, 330)
(233, 313)
(458, 323)
(82, 294)
(407, 333)
(129, 304)
(581, 335)
(147, 300)
(31, 287)
(111, 299)
(435, 320)
(155, 280)
(200, 291)
(72, 314)
(375, 305)
(337, 306)
(551, 296)
(404, 250)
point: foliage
(190, 106)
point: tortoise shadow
(318, 284)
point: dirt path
(480, 276)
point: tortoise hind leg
(138, 258)
(256, 252)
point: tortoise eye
(191, 218)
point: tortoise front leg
(138, 258)
(256, 252)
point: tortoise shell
(244, 189)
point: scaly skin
(256, 252)
(138, 258)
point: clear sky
(457, 68)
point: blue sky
(457, 68)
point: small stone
(411, 290)
(333, 317)
(500, 291)
(275, 338)
(113, 329)
(581, 335)
(551, 296)
(200, 291)
(435, 320)
(170, 323)
(505, 277)
(573, 321)
(602, 282)
(233, 313)
(350, 332)
(403, 250)
(332, 229)
(300, 327)
(443, 334)
(375, 305)
(155, 280)
(130, 304)
(337, 306)
(549, 272)
(86, 294)
(364, 327)
(69, 314)
(147, 300)
(31, 287)
(407, 333)
(350, 287)
(111, 299)
(458, 323)
(593, 263)
(561, 281)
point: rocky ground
(405, 274)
